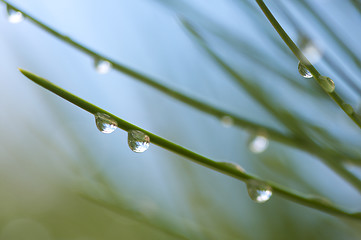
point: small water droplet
(327, 84)
(138, 141)
(304, 71)
(258, 143)
(227, 121)
(13, 15)
(105, 123)
(234, 166)
(258, 191)
(102, 66)
(347, 108)
(310, 49)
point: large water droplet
(102, 66)
(258, 143)
(227, 121)
(234, 166)
(105, 123)
(13, 15)
(258, 191)
(138, 141)
(327, 84)
(304, 71)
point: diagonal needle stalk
(297, 52)
(312, 202)
(185, 98)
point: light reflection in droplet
(258, 143)
(105, 123)
(258, 191)
(138, 141)
(304, 71)
(310, 49)
(13, 15)
(102, 66)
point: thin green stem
(328, 60)
(192, 101)
(197, 158)
(304, 142)
(297, 52)
(331, 159)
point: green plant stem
(199, 159)
(182, 97)
(328, 60)
(296, 51)
(331, 159)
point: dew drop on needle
(304, 71)
(105, 123)
(102, 66)
(138, 141)
(14, 16)
(258, 143)
(258, 191)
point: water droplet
(347, 108)
(105, 123)
(304, 71)
(227, 121)
(102, 66)
(310, 49)
(258, 143)
(327, 84)
(13, 15)
(234, 166)
(138, 141)
(258, 191)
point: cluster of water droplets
(259, 191)
(102, 66)
(14, 16)
(258, 143)
(137, 140)
(313, 53)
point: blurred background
(63, 179)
